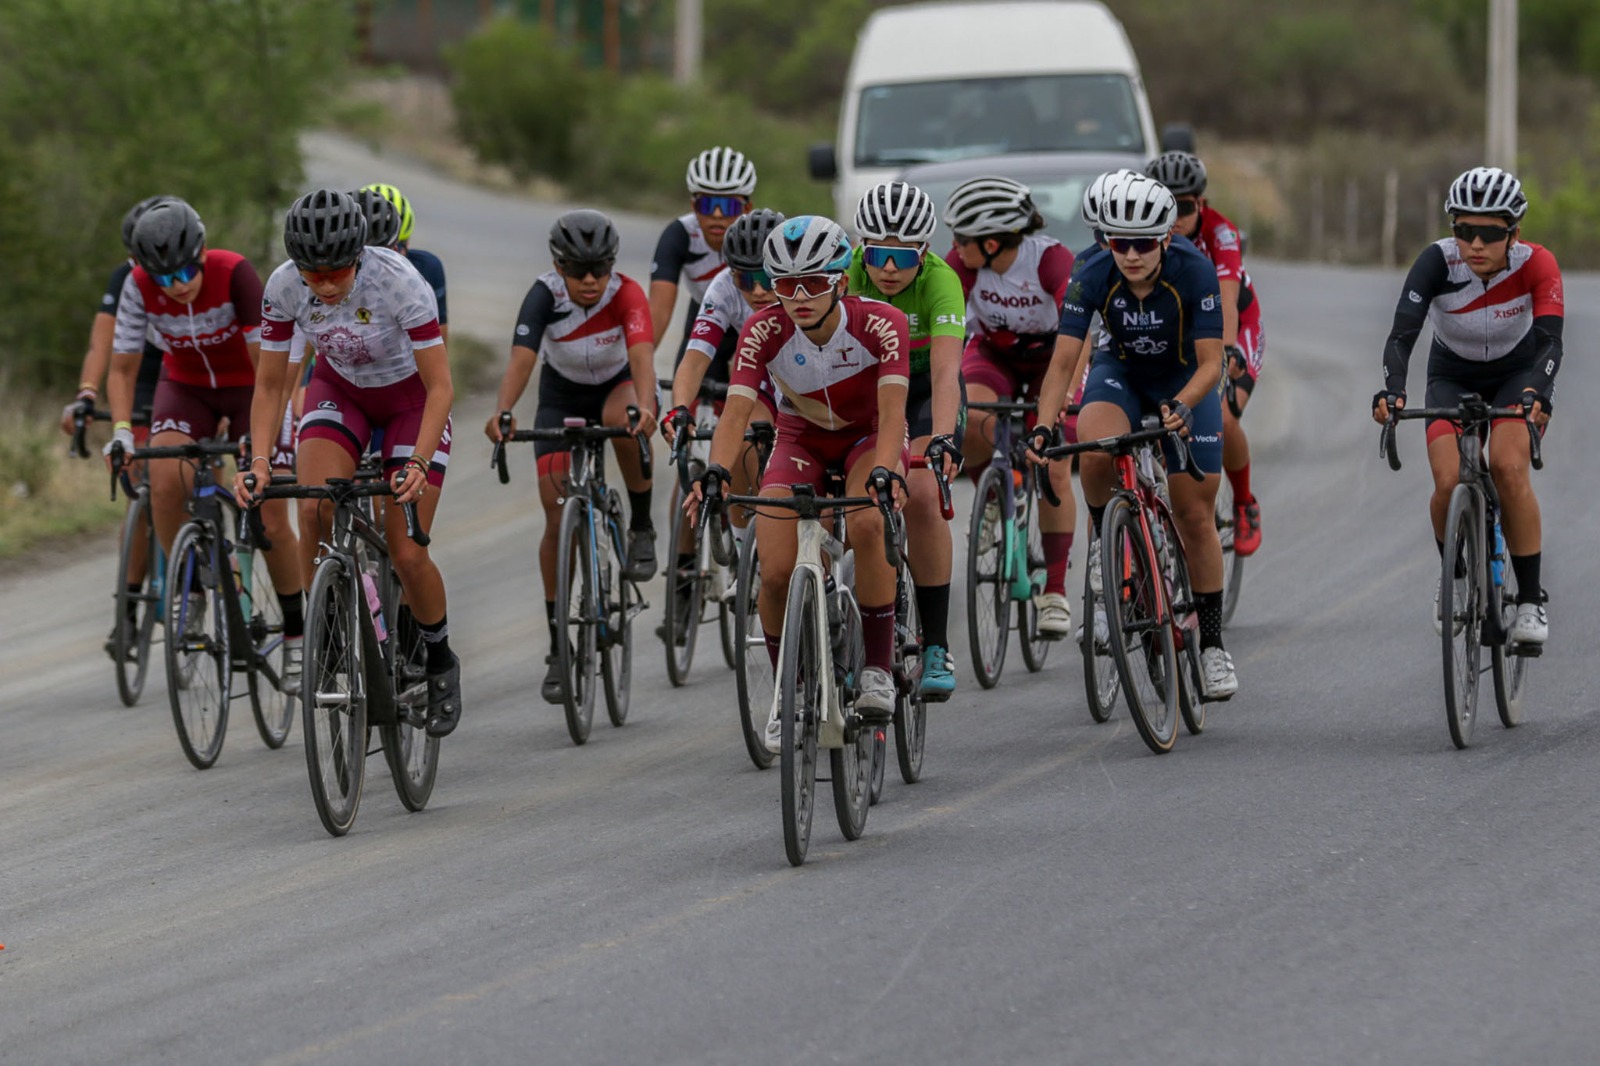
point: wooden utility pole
(686, 44)
(1502, 97)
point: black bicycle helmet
(325, 230)
(135, 213)
(383, 219)
(584, 236)
(168, 237)
(1181, 172)
(744, 240)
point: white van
(939, 81)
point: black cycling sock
(436, 638)
(135, 590)
(294, 615)
(1097, 515)
(1437, 543)
(550, 616)
(1526, 567)
(933, 610)
(639, 511)
(1208, 605)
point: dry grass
(48, 496)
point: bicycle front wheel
(412, 755)
(988, 591)
(1140, 637)
(1180, 599)
(800, 712)
(681, 627)
(1034, 646)
(910, 709)
(752, 672)
(1232, 562)
(619, 601)
(137, 602)
(1101, 680)
(199, 666)
(1461, 612)
(334, 696)
(263, 619)
(1510, 670)
(577, 614)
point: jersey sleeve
(1223, 240)
(1078, 305)
(761, 337)
(947, 304)
(534, 317)
(1055, 271)
(891, 332)
(1544, 284)
(245, 292)
(416, 310)
(1424, 281)
(132, 321)
(1207, 296)
(113, 294)
(278, 309)
(713, 322)
(634, 311)
(968, 278)
(672, 252)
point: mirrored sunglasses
(1466, 231)
(750, 280)
(726, 206)
(181, 276)
(879, 256)
(1142, 245)
(804, 287)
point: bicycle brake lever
(498, 459)
(413, 526)
(1535, 446)
(1386, 444)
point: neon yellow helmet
(401, 204)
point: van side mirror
(824, 163)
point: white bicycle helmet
(1095, 193)
(989, 207)
(1486, 191)
(806, 244)
(722, 171)
(896, 209)
(1137, 206)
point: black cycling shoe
(444, 700)
(550, 688)
(641, 555)
(682, 604)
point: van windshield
(933, 121)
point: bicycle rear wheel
(412, 755)
(263, 619)
(679, 632)
(800, 712)
(136, 608)
(1101, 681)
(577, 613)
(1232, 562)
(910, 709)
(620, 601)
(199, 666)
(1510, 670)
(988, 597)
(1180, 593)
(1140, 638)
(752, 672)
(334, 696)
(1461, 604)
(1034, 646)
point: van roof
(919, 42)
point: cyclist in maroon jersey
(1243, 341)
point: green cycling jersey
(933, 303)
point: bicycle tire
(725, 628)
(1140, 639)
(1232, 562)
(1191, 694)
(263, 620)
(576, 616)
(199, 663)
(412, 755)
(878, 767)
(1461, 601)
(800, 713)
(1035, 648)
(333, 695)
(850, 765)
(1510, 671)
(618, 601)
(1102, 682)
(752, 672)
(680, 656)
(130, 644)
(910, 709)
(988, 599)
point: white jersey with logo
(370, 337)
(1018, 301)
(723, 310)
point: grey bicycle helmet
(989, 207)
(806, 244)
(896, 209)
(1486, 191)
(1181, 172)
(135, 213)
(325, 230)
(168, 237)
(721, 171)
(383, 218)
(743, 243)
(584, 236)
(1138, 206)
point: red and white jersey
(1484, 321)
(1219, 241)
(208, 339)
(683, 254)
(1026, 298)
(833, 385)
(723, 310)
(371, 336)
(586, 345)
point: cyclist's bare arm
(433, 366)
(944, 366)
(96, 360)
(518, 371)
(663, 298)
(642, 361)
(121, 383)
(1230, 311)
(1053, 391)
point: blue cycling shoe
(938, 682)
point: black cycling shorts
(919, 408)
(561, 398)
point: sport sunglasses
(879, 256)
(805, 286)
(182, 276)
(1142, 245)
(727, 206)
(578, 270)
(1466, 231)
(749, 280)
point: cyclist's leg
(1110, 409)
(930, 549)
(1057, 522)
(986, 381)
(1444, 457)
(641, 561)
(747, 470)
(1194, 502)
(333, 435)
(1510, 458)
(875, 578)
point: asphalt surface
(1320, 877)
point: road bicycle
(1477, 585)
(1232, 561)
(821, 657)
(1005, 549)
(220, 611)
(1152, 625)
(595, 603)
(365, 663)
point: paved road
(1318, 878)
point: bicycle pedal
(1527, 651)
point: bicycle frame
(1008, 458)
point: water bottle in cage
(375, 605)
(1497, 560)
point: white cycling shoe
(1532, 625)
(876, 702)
(1094, 565)
(1217, 679)
(1055, 614)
